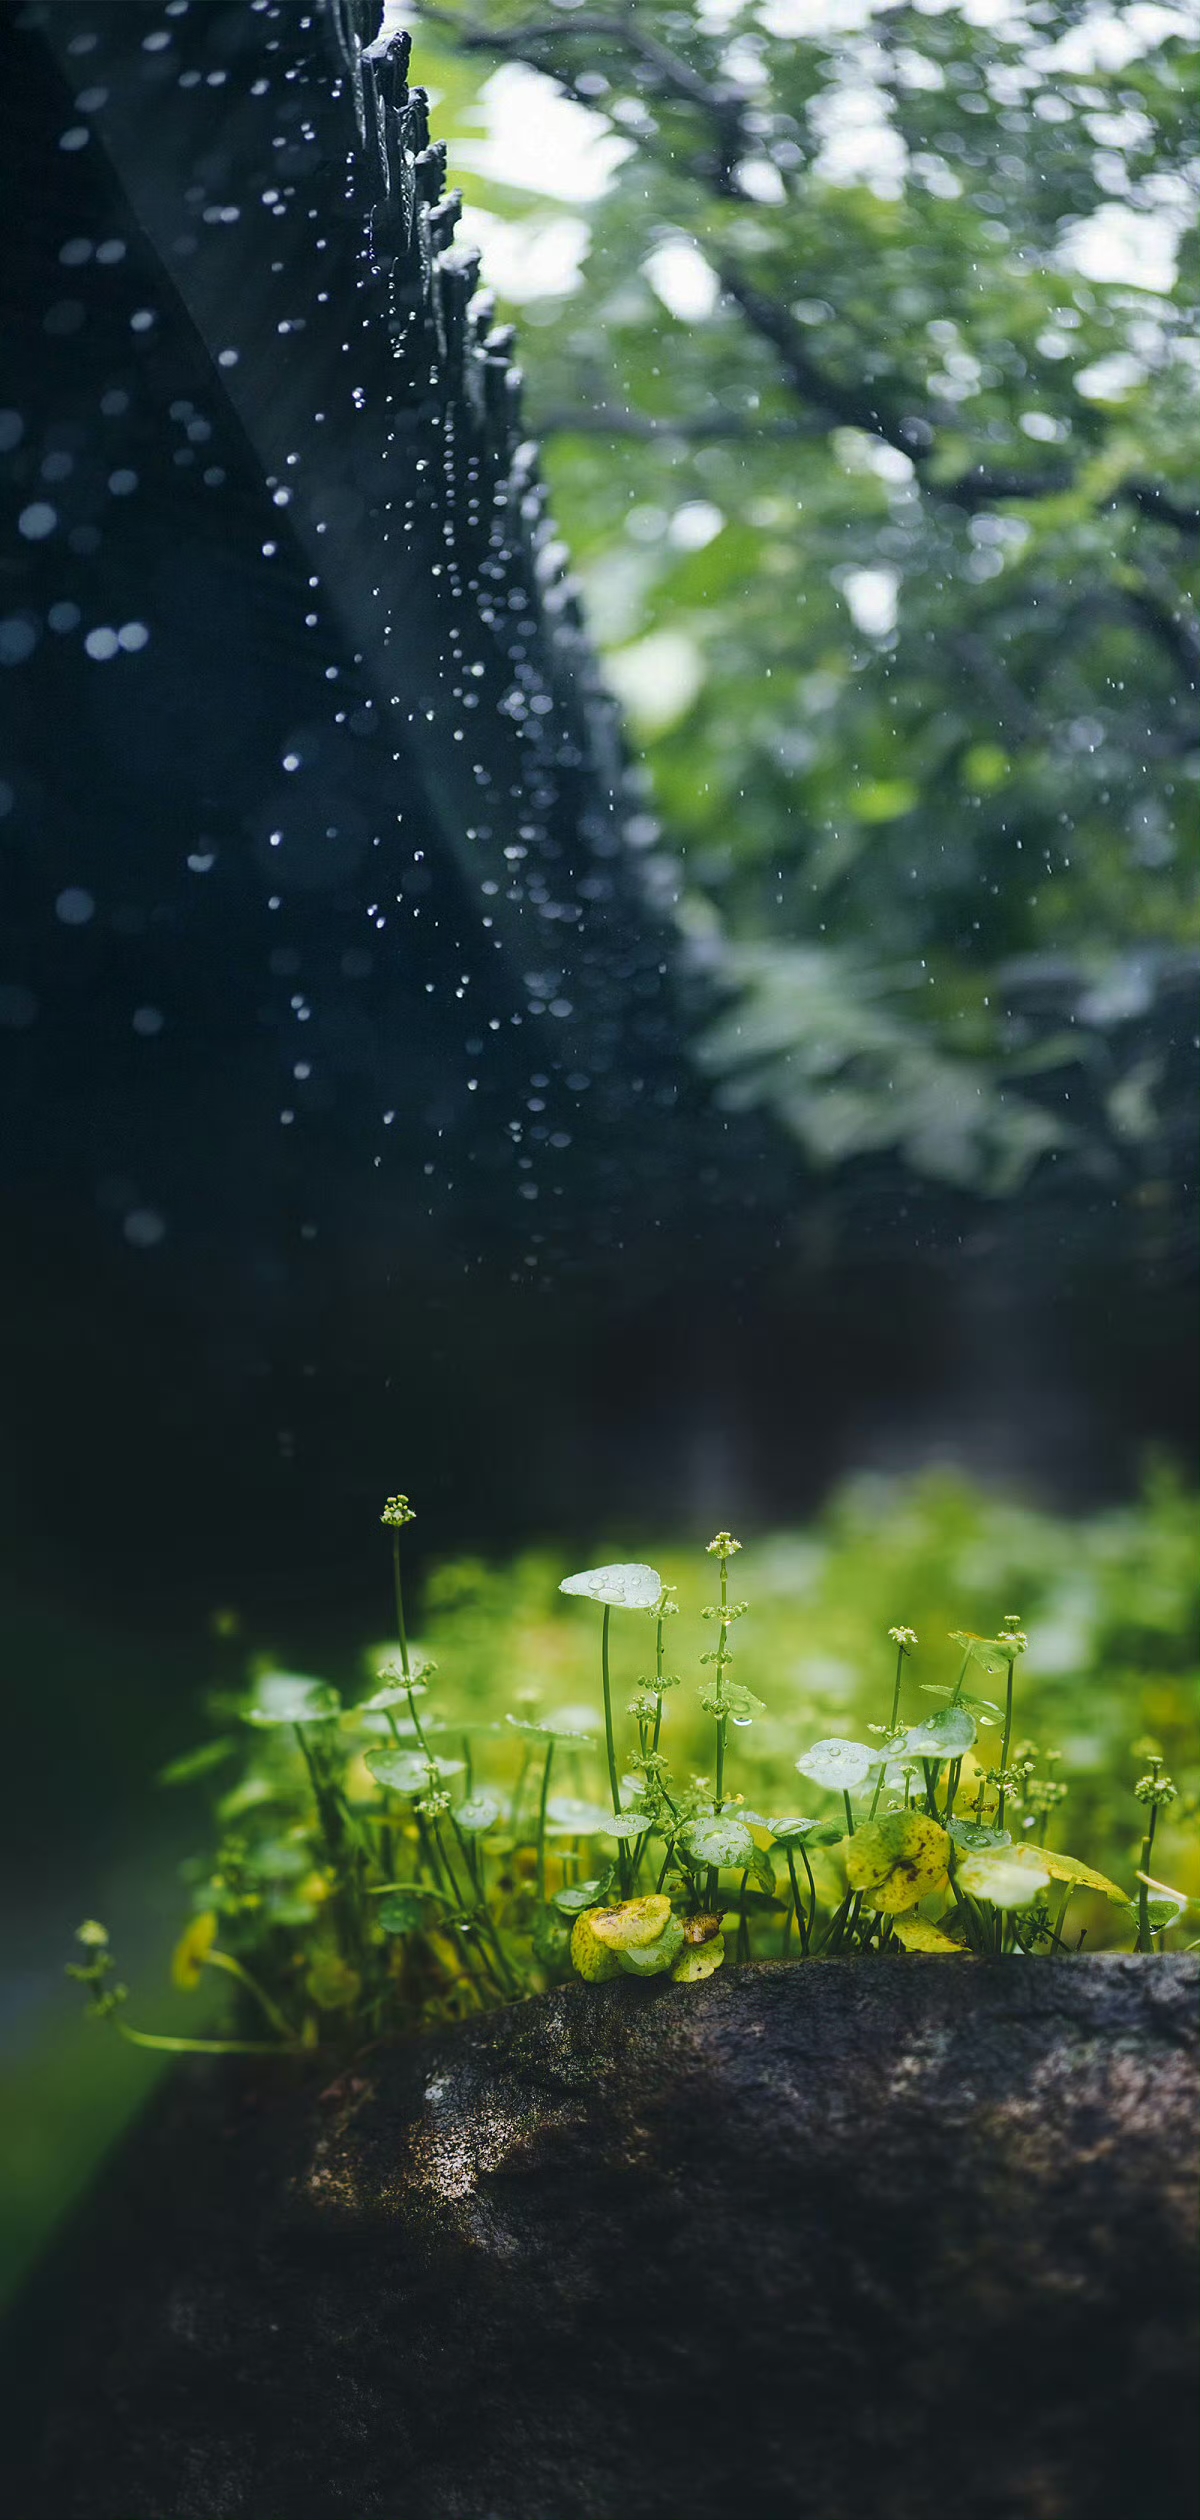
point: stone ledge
(826, 2241)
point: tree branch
(857, 407)
(1154, 501)
(849, 406)
(1167, 622)
(721, 101)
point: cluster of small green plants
(403, 1859)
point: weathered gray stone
(840, 2242)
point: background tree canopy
(862, 357)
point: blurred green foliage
(1109, 1603)
(1110, 1606)
(882, 506)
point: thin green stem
(849, 1815)
(803, 1926)
(313, 1777)
(743, 1932)
(451, 1875)
(1008, 1717)
(812, 1898)
(611, 1747)
(832, 1935)
(541, 1835)
(658, 1679)
(398, 1588)
(893, 1720)
(215, 1959)
(205, 2047)
(428, 1853)
(475, 1912)
(609, 1740)
(333, 1827)
(721, 1718)
(1144, 1941)
(526, 1763)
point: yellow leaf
(332, 1984)
(915, 1934)
(632, 1926)
(897, 1861)
(588, 1954)
(1068, 1868)
(192, 1950)
(699, 1960)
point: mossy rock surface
(893, 2239)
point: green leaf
(719, 1840)
(740, 1705)
(761, 1870)
(553, 1728)
(993, 1654)
(479, 1813)
(195, 1763)
(401, 1912)
(942, 1736)
(582, 1894)
(623, 1587)
(1004, 1877)
(1165, 1907)
(407, 1771)
(286, 1697)
(982, 1708)
(250, 1794)
(975, 1839)
(813, 1832)
(567, 1816)
(840, 1765)
(551, 1937)
(653, 1959)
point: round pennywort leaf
(945, 1735)
(720, 1839)
(407, 1771)
(287, 1697)
(478, 1813)
(624, 1587)
(841, 1765)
